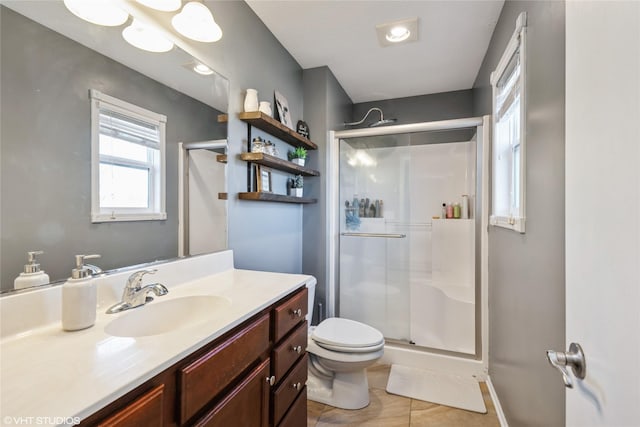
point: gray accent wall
(326, 107)
(526, 271)
(263, 235)
(416, 109)
(46, 146)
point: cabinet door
(246, 405)
(144, 411)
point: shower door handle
(384, 235)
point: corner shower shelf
(277, 163)
(277, 129)
(273, 197)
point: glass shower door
(374, 246)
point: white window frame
(157, 185)
(515, 219)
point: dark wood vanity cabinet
(252, 376)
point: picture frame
(282, 107)
(264, 179)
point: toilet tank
(311, 285)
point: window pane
(110, 146)
(123, 186)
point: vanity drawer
(245, 405)
(147, 410)
(288, 351)
(284, 395)
(289, 314)
(207, 376)
(297, 415)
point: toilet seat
(347, 336)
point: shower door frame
(477, 366)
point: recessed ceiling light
(202, 69)
(393, 33)
(398, 34)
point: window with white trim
(127, 161)
(508, 140)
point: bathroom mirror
(50, 60)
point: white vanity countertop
(57, 375)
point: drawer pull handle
(297, 386)
(297, 312)
(296, 348)
(271, 380)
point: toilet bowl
(339, 351)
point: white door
(603, 210)
(202, 203)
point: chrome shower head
(380, 122)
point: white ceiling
(453, 38)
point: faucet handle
(136, 278)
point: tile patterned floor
(388, 410)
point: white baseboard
(496, 403)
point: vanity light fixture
(196, 22)
(162, 5)
(397, 32)
(100, 12)
(146, 37)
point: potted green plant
(295, 186)
(297, 156)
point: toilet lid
(345, 333)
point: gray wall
(526, 271)
(264, 236)
(46, 145)
(422, 108)
(326, 107)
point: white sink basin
(159, 317)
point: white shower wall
(420, 288)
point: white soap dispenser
(79, 297)
(32, 275)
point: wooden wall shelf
(277, 129)
(273, 197)
(277, 163)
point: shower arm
(365, 117)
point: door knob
(573, 358)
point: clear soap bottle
(79, 297)
(32, 275)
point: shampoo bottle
(79, 297)
(32, 275)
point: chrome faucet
(134, 295)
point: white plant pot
(298, 161)
(296, 192)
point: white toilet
(340, 350)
